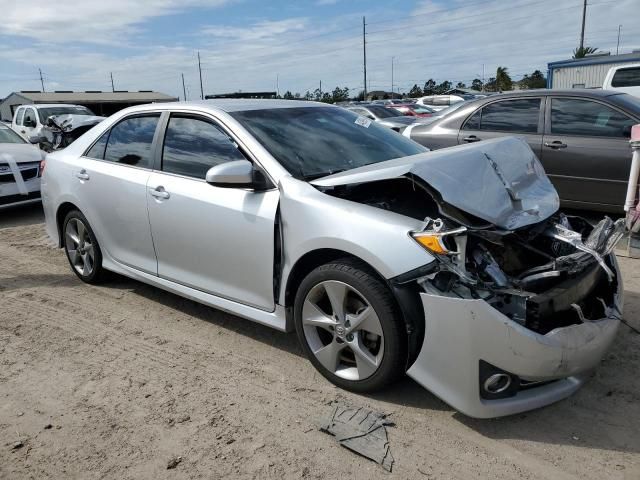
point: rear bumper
(460, 333)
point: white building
(588, 72)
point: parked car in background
(391, 101)
(383, 257)
(387, 117)
(624, 78)
(581, 137)
(28, 120)
(440, 102)
(439, 113)
(413, 110)
(21, 166)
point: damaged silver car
(454, 267)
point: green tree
(308, 95)
(415, 92)
(477, 84)
(535, 80)
(288, 95)
(340, 94)
(429, 87)
(491, 86)
(581, 52)
(503, 80)
(461, 85)
(443, 87)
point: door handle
(555, 145)
(471, 138)
(82, 175)
(159, 192)
(23, 131)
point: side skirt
(275, 319)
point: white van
(625, 78)
(29, 119)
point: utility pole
(200, 71)
(277, 86)
(584, 18)
(320, 89)
(113, 88)
(41, 80)
(483, 77)
(364, 51)
(618, 44)
(392, 59)
(184, 90)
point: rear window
(626, 77)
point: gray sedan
(580, 136)
(385, 258)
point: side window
(130, 141)
(97, 151)
(193, 145)
(518, 116)
(20, 116)
(473, 123)
(626, 77)
(570, 116)
(29, 117)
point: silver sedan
(453, 267)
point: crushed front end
(515, 319)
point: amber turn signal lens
(432, 242)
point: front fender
(312, 220)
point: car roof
(243, 104)
(49, 105)
(582, 92)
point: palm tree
(581, 52)
(503, 80)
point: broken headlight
(436, 238)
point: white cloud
(259, 31)
(93, 21)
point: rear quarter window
(626, 77)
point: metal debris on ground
(362, 431)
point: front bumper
(459, 333)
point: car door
(586, 151)
(217, 240)
(110, 181)
(522, 117)
(30, 123)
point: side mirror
(36, 139)
(236, 174)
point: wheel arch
(61, 213)
(406, 297)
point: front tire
(349, 326)
(82, 248)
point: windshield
(9, 136)
(311, 142)
(384, 112)
(47, 112)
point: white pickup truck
(29, 119)
(625, 78)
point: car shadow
(20, 216)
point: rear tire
(349, 326)
(82, 248)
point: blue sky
(255, 45)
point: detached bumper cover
(460, 332)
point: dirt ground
(116, 381)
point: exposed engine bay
(550, 274)
(60, 131)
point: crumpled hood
(20, 152)
(69, 122)
(500, 181)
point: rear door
(110, 181)
(522, 117)
(586, 151)
(217, 240)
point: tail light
(43, 163)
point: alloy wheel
(79, 246)
(343, 330)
